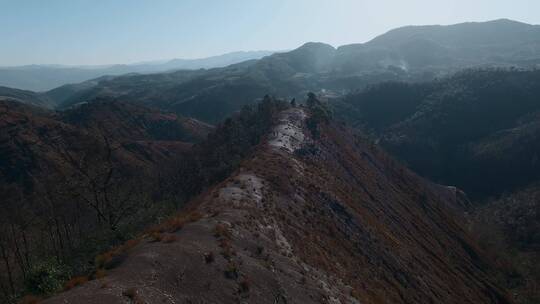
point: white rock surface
(288, 134)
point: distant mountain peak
(316, 45)
(460, 35)
(506, 21)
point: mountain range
(38, 77)
(407, 54)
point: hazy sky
(125, 31)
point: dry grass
(175, 223)
(103, 260)
(243, 284)
(100, 274)
(221, 230)
(74, 282)
(355, 294)
(130, 293)
(231, 271)
(133, 295)
(156, 236)
(226, 248)
(163, 237)
(169, 238)
(30, 299)
(159, 233)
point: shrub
(175, 223)
(209, 257)
(102, 259)
(194, 216)
(156, 236)
(244, 284)
(115, 256)
(169, 238)
(74, 282)
(231, 271)
(320, 113)
(226, 246)
(46, 277)
(130, 293)
(30, 299)
(100, 273)
(221, 230)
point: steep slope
(324, 218)
(477, 130)
(510, 225)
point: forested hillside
(478, 129)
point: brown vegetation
(74, 282)
(107, 260)
(338, 222)
(30, 300)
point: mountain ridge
(246, 239)
(319, 67)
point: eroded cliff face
(305, 220)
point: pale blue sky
(126, 31)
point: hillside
(23, 96)
(313, 214)
(125, 120)
(80, 181)
(410, 53)
(34, 141)
(498, 42)
(477, 130)
(75, 182)
(510, 225)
